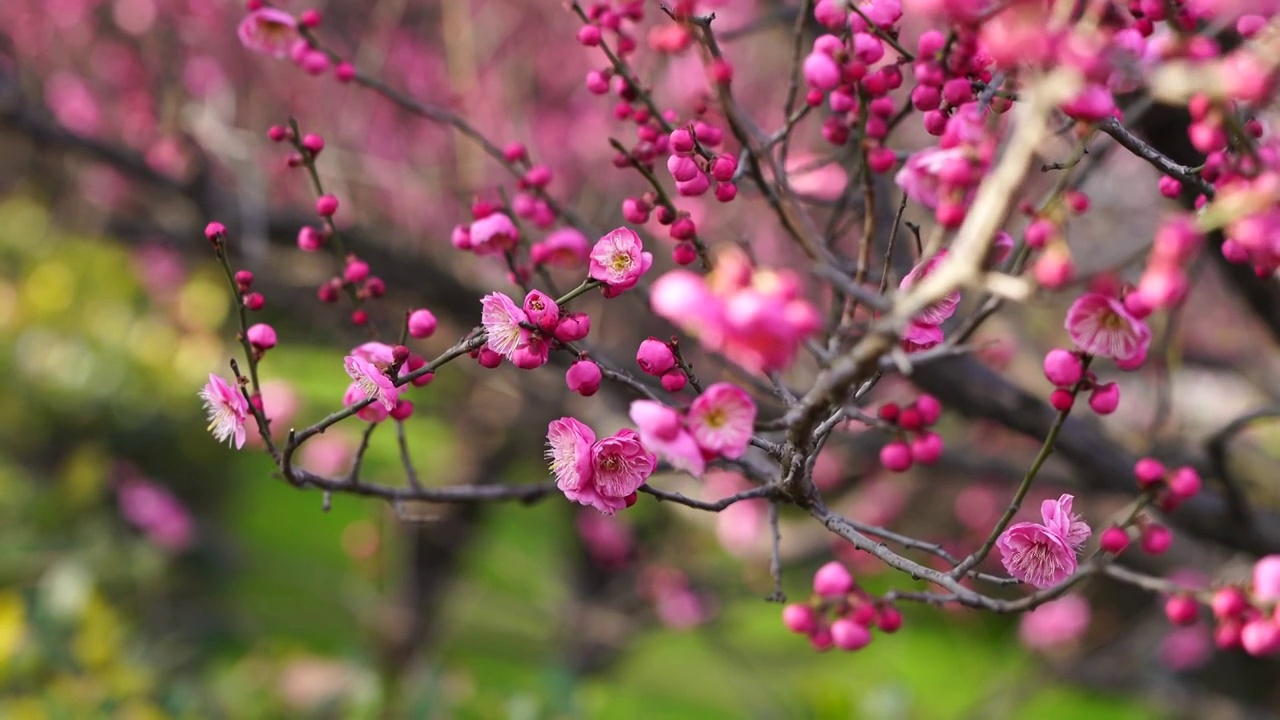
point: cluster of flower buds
(1245, 617)
(658, 358)
(491, 232)
(1174, 487)
(1067, 370)
(946, 176)
(840, 614)
(917, 444)
(694, 171)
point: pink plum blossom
(618, 260)
(620, 465)
(938, 312)
(604, 474)
(566, 248)
(721, 420)
(493, 234)
(372, 381)
(663, 431)
(501, 319)
(1102, 326)
(1044, 555)
(569, 453)
(269, 31)
(227, 410)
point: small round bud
(799, 619)
(655, 357)
(313, 143)
(583, 377)
(422, 323)
(244, 280)
(277, 133)
(359, 317)
(215, 231)
(1062, 367)
(262, 336)
(402, 410)
(684, 254)
(849, 635)
(1114, 540)
(1156, 539)
(896, 456)
(254, 301)
(674, 380)
(326, 205)
(355, 271)
(1181, 610)
(832, 580)
(1149, 471)
(345, 72)
(309, 18)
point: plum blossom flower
(721, 419)
(372, 381)
(569, 453)
(920, 177)
(758, 318)
(492, 234)
(1102, 326)
(566, 248)
(917, 337)
(268, 31)
(227, 411)
(663, 431)
(618, 260)
(604, 474)
(938, 312)
(1044, 554)
(502, 320)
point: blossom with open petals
(569, 453)
(662, 430)
(269, 31)
(1044, 554)
(502, 320)
(721, 420)
(618, 260)
(372, 381)
(1101, 325)
(227, 411)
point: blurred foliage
(271, 611)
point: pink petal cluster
(1101, 325)
(717, 424)
(227, 410)
(604, 474)
(1044, 554)
(491, 234)
(565, 248)
(269, 31)
(522, 334)
(618, 260)
(758, 318)
(925, 331)
(155, 511)
(372, 381)
(944, 178)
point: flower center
(620, 262)
(716, 418)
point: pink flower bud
(244, 280)
(1114, 540)
(1149, 471)
(1266, 578)
(1181, 610)
(635, 211)
(926, 449)
(310, 239)
(1229, 602)
(1260, 637)
(359, 317)
(254, 301)
(681, 141)
(422, 323)
(542, 311)
(696, 187)
(820, 639)
(403, 410)
(573, 327)
(1062, 367)
(674, 380)
(309, 18)
(355, 271)
(583, 377)
(957, 92)
(849, 635)
(1105, 398)
(889, 620)
(832, 580)
(723, 167)
(344, 72)
(589, 35)
(655, 357)
(1170, 187)
(799, 619)
(1156, 539)
(1061, 400)
(682, 168)
(910, 418)
(1184, 483)
(896, 457)
(328, 292)
(314, 62)
(683, 229)
(313, 142)
(881, 159)
(930, 409)
(261, 336)
(214, 230)
(867, 48)
(277, 133)
(821, 72)
(326, 205)
(684, 254)
(726, 192)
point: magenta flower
(1057, 517)
(566, 248)
(721, 419)
(269, 31)
(492, 234)
(663, 431)
(604, 474)
(569, 453)
(502, 320)
(372, 381)
(618, 260)
(938, 312)
(227, 411)
(621, 464)
(1102, 326)
(920, 178)
(373, 412)
(917, 337)
(1044, 555)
